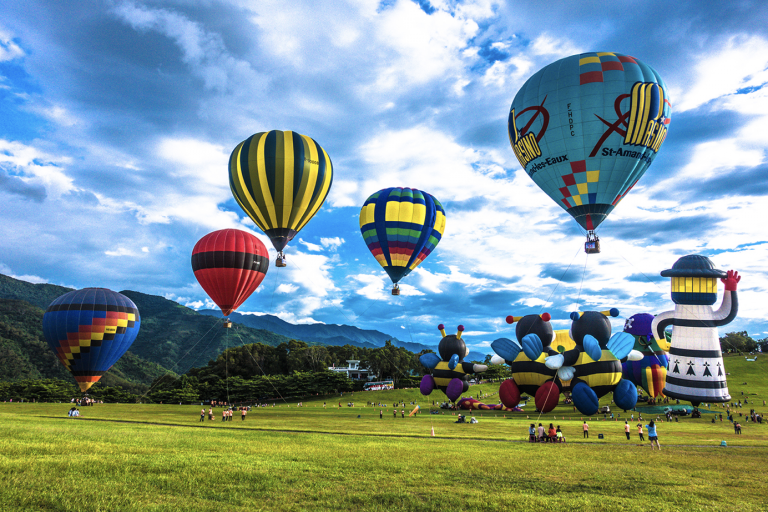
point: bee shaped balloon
(525, 356)
(592, 368)
(449, 371)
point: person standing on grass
(652, 436)
(223, 415)
(640, 432)
(210, 414)
(242, 414)
(202, 416)
(394, 413)
(402, 412)
(586, 430)
(626, 429)
(381, 414)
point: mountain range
(172, 339)
(328, 334)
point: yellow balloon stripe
(263, 183)
(325, 187)
(241, 193)
(285, 179)
(308, 181)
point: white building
(354, 371)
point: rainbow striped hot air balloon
(89, 330)
(280, 179)
(586, 128)
(401, 227)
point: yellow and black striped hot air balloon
(280, 179)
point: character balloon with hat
(696, 371)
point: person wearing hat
(696, 372)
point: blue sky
(117, 119)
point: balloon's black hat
(693, 265)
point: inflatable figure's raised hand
(731, 280)
(620, 345)
(554, 362)
(497, 359)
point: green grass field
(160, 457)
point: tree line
(742, 342)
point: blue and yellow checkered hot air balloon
(280, 179)
(89, 330)
(586, 128)
(401, 227)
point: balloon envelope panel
(89, 330)
(280, 179)
(586, 128)
(401, 227)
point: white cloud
(287, 288)
(36, 166)
(332, 243)
(559, 48)
(202, 50)
(9, 50)
(374, 286)
(310, 246)
(430, 160)
(120, 251)
(56, 113)
(5, 269)
(408, 290)
(741, 62)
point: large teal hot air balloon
(585, 129)
(89, 330)
(401, 227)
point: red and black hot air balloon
(229, 264)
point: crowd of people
(554, 434)
(542, 435)
(226, 413)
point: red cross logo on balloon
(537, 109)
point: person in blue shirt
(532, 433)
(652, 436)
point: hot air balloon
(280, 179)
(401, 227)
(89, 330)
(586, 128)
(229, 264)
